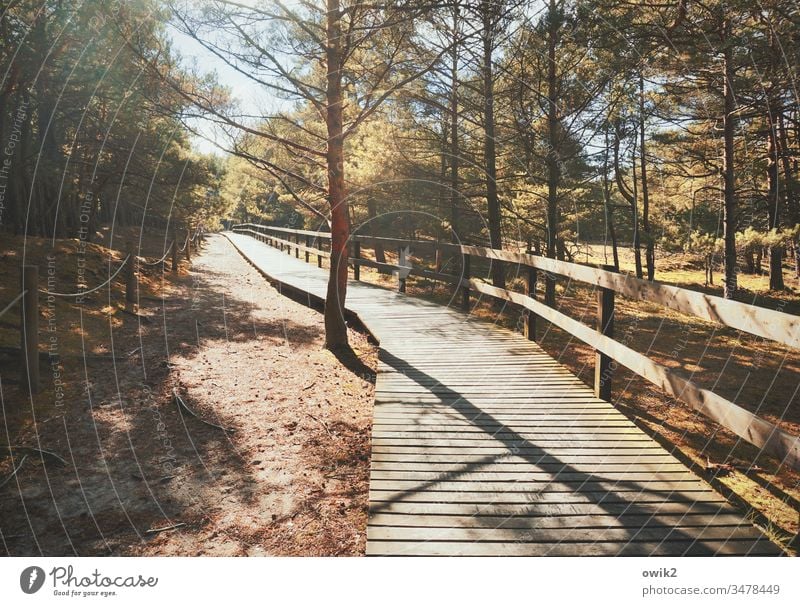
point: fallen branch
(14, 472)
(324, 426)
(183, 407)
(307, 387)
(164, 528)
(31, 449)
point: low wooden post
(29, 320)
(356, 264)
(188, 245)
(319, 257)
(297, 248)
(465, 261)
(174, 250)
(132, 282)
(401, 261)
(605, 324)
(530, 290)
(308, 245)
(438, 253)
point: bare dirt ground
(289, 479)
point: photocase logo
(31, 579)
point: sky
(245, 91)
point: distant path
(482, 444)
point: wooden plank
(554, 509)
(643, 534)
(568, 475)
(554, 496)
(517, 548)
(651, 456)
(546, 486)
(577, 521)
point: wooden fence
(776, 326)
(28, 300)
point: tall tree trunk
(728, 167)
(454, 149)
(552, 163)
(335, 327)
(489, 151)
(650, 255)
(630, 198)
(773, 206)
(607, 205)
(372, 213)
(790, 187)
(637, 234)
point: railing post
(530, 290)
(297, 248)
(401, 261)
(188, 245)
(465, 261)
(174, 250)
(29, 312)
(356, 257)
(308, 245)
(132, 281)
(605, 325)
(319, 246)
(438, 253)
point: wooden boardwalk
(482, 444)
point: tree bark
(728, 167)
(454, 149)
(553, 175)
(773, 206)
(607, 205)
(630, 198)
(790, 187)
(489, 150)
(335, 327)
(650, 255)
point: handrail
(767, 323)
(302, 247)
(770, 324)
(300, 232)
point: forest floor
(141, 477)
(759, 375)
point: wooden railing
(777, 326)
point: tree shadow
(608, 494)
(134, 461)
